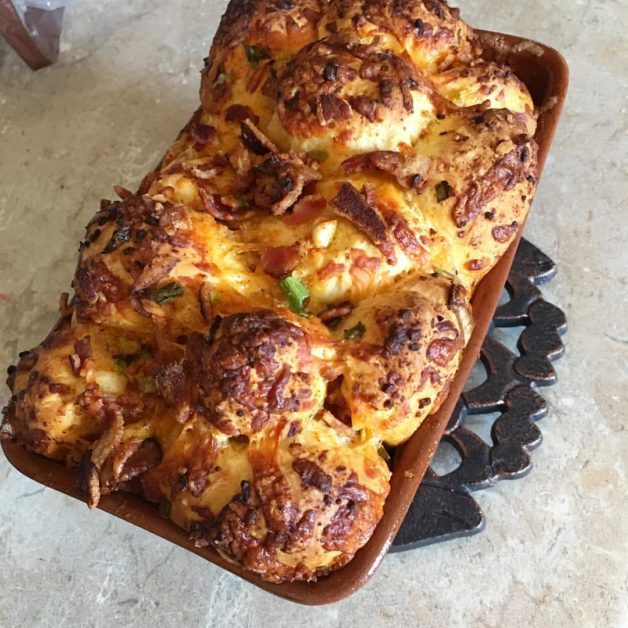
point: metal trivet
(443, 508)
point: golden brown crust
(256, 368)
(289, 288)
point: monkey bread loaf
(288, 292)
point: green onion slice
(255, 54)
(167, 293)
(443, 191)
(296, 293)
(356, 332)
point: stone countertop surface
(554, 552)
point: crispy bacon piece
(202, 133)
(94, 278)
(410, 170)
(312, 475)
(503, 233)
(240, 113)
(305, 209)
(331, 109)
(404, 235)
(159, 268)
(365, 106)
(506, 173)
(443, 350)
(79, 359)
(214, 206)
(336, 311)
(278, 261)
(123, 193)
(255, 140)
(147, 456)
(280, 181)
(362, 261)
(353, 206)
(330, 269)
(171, 383)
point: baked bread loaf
(288, 291)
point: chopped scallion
(383, 452)
(443, 191)
(166, 293)
(296, 293)
(318, 155)
(356, 332)
(147, 384)
(255, 54)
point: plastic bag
(33, 28)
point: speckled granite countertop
(555, 548)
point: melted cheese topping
(289, 289)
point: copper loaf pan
(545, 73)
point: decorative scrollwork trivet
(443, 507)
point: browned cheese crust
(288, 291)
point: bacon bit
(123, 193)
(89, 482)
(331, 108)
(255, 140)
(405, 235)
(213, 205)
(60, 389)
(121, 235)
(281, 180)
(147, 456)
(136, 304)
(174, 218)
(330, 269)
(312, 476)
(344, 137)
(5, 297)
(280, 260)
(361, 261)
(171, 383)
(386, 87)
(475, 264)
(445, 326)
(305, 209)
(352, 205)
(159, 268)
(83, 348)
(434, 376)
(240, 113)
(442, 351)
(205, 302)
(202, 133)
(240, 160)
(368, 192)
(411, 171)
(503, 233)
(82, 353)
(457, 297)
(336, 311)
(364, 106)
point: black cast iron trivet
(443, 507)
